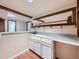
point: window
(29, 26)
(11, 26)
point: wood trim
(62, 24)
(2, 24)
(77, 4)
(74, 15)
(78, 18)
(59, 12)
(78, 24)
(54, 50)
(36, 54)
(8, 9)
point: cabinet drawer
(34, 37)
(46, 40)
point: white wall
(20, 26)
(12, 44)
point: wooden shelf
(63, 24)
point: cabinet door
(36, 47)
(65, 51)
(46, 52)
(77, 52)
(31, 45)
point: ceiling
(59, 17)
(5, 14)
(38, 7)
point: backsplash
(57, 29)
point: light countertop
(11, 33)
(68, 39)
(7, 33)
(47, 37)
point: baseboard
(18, 54)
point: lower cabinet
(46, 52)
(36, 47)
(41, 49)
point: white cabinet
(36, 47)
(41, 46)
(46, 52)
(46, 40)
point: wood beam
(78, 24)
(78, 18)
(11, 10)
(59, 12)
(40, 20)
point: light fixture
(29, 1)
(10, 15)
